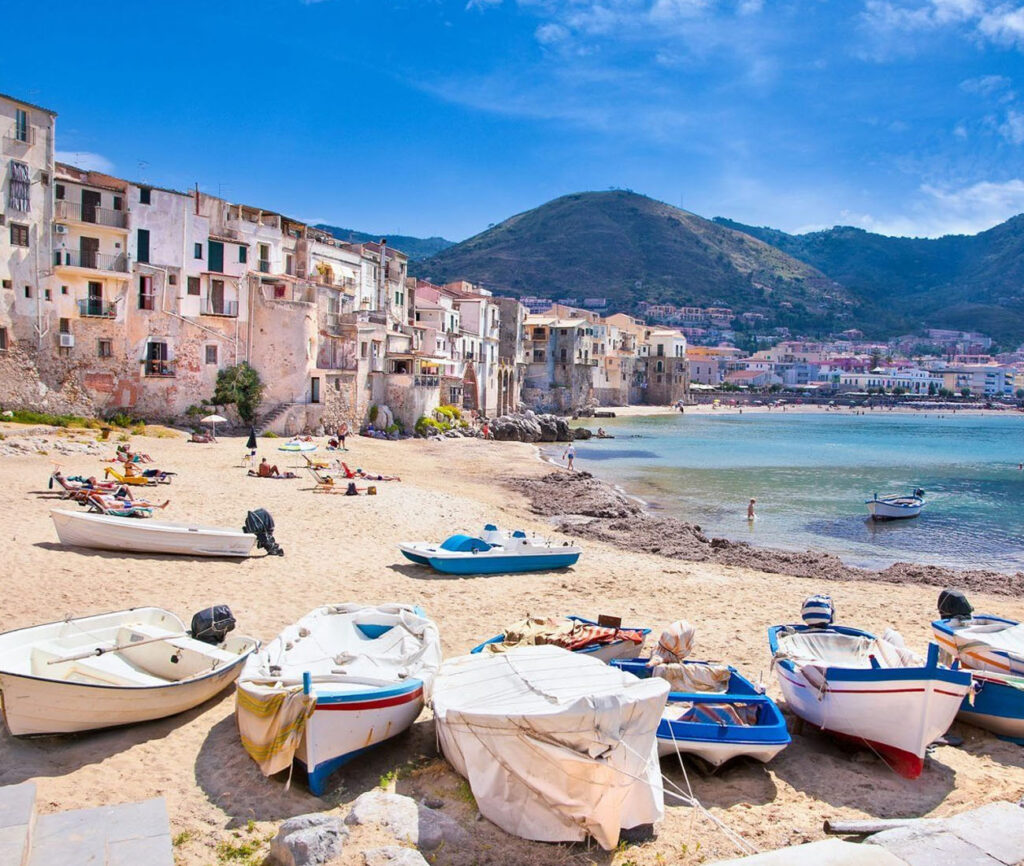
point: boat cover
(695, 676)
(675, 643)
(832, 649)
(555, 745)
(992, 642)
(568, 633)
(338, 645)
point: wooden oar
(99, 651)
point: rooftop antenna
(143, 165)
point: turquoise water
(811, 473)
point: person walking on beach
(342, 433)
(750, 510)
(569, 456)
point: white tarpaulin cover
(555, 746)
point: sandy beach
(343, 549)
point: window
(118, 203)
(6, 284)
(58, 191)
(144, 192)
(104, 348)
(197, 251)
(193, 285)
(142, 254)
(3, 339)
(63, 290)
(243, 255)
(215, 256)
(28, 291)
(172, 279)
(288, 265)
(146, 297)
(211, 354)
(20, 124)
(362, 350)
(19, 235)
(47, 295)
(65, 326)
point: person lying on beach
(116, 500)
(370, 476)
(266, 470)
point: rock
(581, 433)
(433, 802)
(306, 840)
(529, 427)
(405, 820)
(392, 855)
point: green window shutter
(142, 252)
(243, 255)
(216, 256)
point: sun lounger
(328, 484)
(150, 476)
(316, 464)
(117, 507)
(77, 487)
(254, 474)
(366, 476)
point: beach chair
(327, 484)
(149, 476)
(315, 464)
(76, 487)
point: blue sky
(434, 117)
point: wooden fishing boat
(494, 552)
(896, 507)
(716, 718)
(341, 680)
(106, 532)
(605, 639)
(113, 669)
(850, 683)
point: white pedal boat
(339, 681)
(493, 552)
(110, 669)
(850, 683)
(125, 534)
(556, 746)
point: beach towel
(566, 633)
(723, 714)
(271, 723)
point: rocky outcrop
(308, 840)
(531, 427)
(406, 820)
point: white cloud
(1012, 129)
(549, 34)
(750, 7)
(85, 159)
(986, 85)
(995, 21)
(1004, 25)
(482, 4)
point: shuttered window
(142, 253)
(19, 189)
(215, 256)
(19, 235)
(20, 124)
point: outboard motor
(261, 524)
(212, 624)
(818, 611)
(919, 493)
(953, 604)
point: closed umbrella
(251, 444)
(213, 421)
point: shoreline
(644, 411)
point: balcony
(158, 369)
(90, 260)
(209, 307)
(264, 266)
(97, 308)
(70, 211)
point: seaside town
(124, 296)
(362, 620)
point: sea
(811, 473)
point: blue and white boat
(493, 552)
(992, 648)
(575, 633)
(869, 690)
(896, 507)
(341, 680)
(717, 718)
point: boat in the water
(870, 690)
(992, 648)
(493, 552)
(341, 680)
(556, 746)
(896, 507)
(125, 534)
(116, 668)
(605, 639)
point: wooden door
(88, 249)
(90, 202)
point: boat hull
(718, 753)
(503, 564)
(124, 534)
(879, 509)
(344, 726)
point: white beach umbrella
(213, 420)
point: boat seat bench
(109, 669)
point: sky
(430, 117)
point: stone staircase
(267, 420)
(131, 834)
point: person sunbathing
(369, 476)
(268, 470)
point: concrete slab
(828, 852)
(998, 829)
(17, 815)
(151, 851)
(930, 847)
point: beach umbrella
(251, 443)
(213, 421)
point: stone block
(308, 840)
(393, 855)
(406, 820)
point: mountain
(967, 282)
(414, 248)
(630, 248)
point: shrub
(122, 419)
(426, 426)
(270, 434)
(29, 416)
(394, 428)
(374, 411)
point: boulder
(406, 820)
(530, 427)
(307, 840)
(393, 855)
(581, 433)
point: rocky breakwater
(583, 506)
(530, 427)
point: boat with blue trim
(341, 680)
(493, 552)
(605, 639)
(992, 648)
(717, 715)
(871, 690)
(896, 507)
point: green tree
(239, 385)
(965, 392)
(945, 392)
(1020, 393)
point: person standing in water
(569, 456)
(750, 510)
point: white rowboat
(125, 534)
(54, 681)
(895, 507)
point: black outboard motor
(261, 524)
(919, 493)
(212, 624)
(953, 604)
